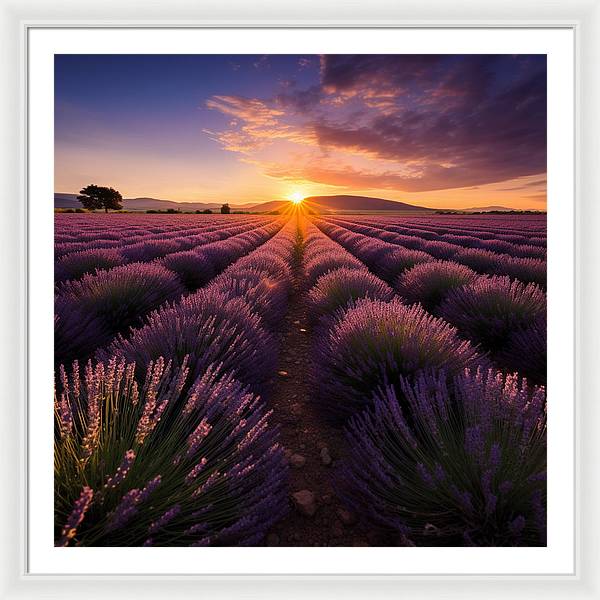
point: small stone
(272, 539)
(283, 373)
(326, 498)
(302, 330)
(305, 502)
(296, 322)
(297, 460)
(325, 456)
(346, 517)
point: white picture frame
(18, 20)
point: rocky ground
(312, 446)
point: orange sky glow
(436, 131)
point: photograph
(300, 300)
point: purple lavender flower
(526, 351)
(232, 477)
(428, 283)
(192, 268)
(451, 461)
(96, 307)
(209, 327)
(373, 343)
(77, 264)
(336, 289)
(488, 310)
(77, 515)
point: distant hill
(360, 203)
(318, 204)
(141, 204)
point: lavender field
(300, 380)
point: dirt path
(304, 435)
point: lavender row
(76, 264)
(412, 239)
(230, 322)
(451, 461)
(163, 459)
(90, 311)
(504, 318)
(434, 231)
(365, 334)
(180, 239)
(388, 254)
(215, 473)
(438, 455)
(73, 226)
(130, 232)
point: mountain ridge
(338, 203)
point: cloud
(416, 122)
(525, 186)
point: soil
(305, 432)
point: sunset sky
(443, 131)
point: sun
(296, 197)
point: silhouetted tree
(95, 197)
(225, 209)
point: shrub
(77, 333)
(149, 250)
(429, 282)
(441, 250)
(77, 264)
(391, 264)
(152, 465)
(266, 295)
(482, 261)
(108, 302)
(467, 468)
(527, 270)
(267, 260)
(488, 310)
(192, 268)
(210, 328)
(372, 343)
(526, 352)
(337, 288)
(325, 262)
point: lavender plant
(489, 309)
(143, 463)
(77, 264)
(208, 327)
(526, 351)
(266, 295)
(192, 268)
(372, 343)
(465, 466)
(92, 310)
(336, 289)
(326, 261)
(428, 283)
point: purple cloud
(432, 121)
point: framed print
(306, 296)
